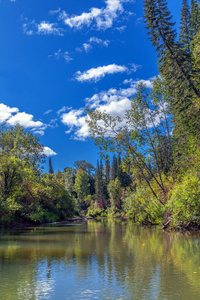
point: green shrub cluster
(184, 203)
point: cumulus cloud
(114, 101)
(48, 152)
(12, 116)
(101, 18)
(75, 119)
(25, 120)
(6, 112)
(96, 74)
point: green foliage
(95, 211)
(68, 179)
(184, 203)
(143, 208)
(25, 195)
(175, 60)
(81, 187)
(185, 28)
(115, 194)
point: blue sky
(58, 56)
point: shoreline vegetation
(149, 170)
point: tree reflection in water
(105, 259)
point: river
(98, 260)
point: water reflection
(98, 260)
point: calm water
(98, 260)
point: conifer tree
(99, 182)
(50, 167)
(185, 27)
(107, 171)
(114, 168)
(194, 17)
(163, 36)
(175, 63)
(119, 170)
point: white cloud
(63, 109)
(98, 41)
(43, 28)
(121, 28)
(92, 41)
(62, 54)
(47, 112)
(48, 152)
(148, 83)
(75, 119)
(83, 19)
(114, 101)
(96, 74)
(6, 112)
(49, 28)
(101, 18)
(12, 116)
(87, 47)
(25, 120)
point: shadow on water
(105, 259)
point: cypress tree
(50, 167)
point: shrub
(184, 203)
(143, 208)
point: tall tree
(21, 156)
(81, 187)
(185, 27)
(194, 17)
(175, 66)
(119, 171)
(69, 179)
(50, 166)
(146, 123)
(99, 185)
(85, 166)
(107, 170)
(114, 168)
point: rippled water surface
(98, 260)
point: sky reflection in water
(98, 260)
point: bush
(142, 208)
(184, 203)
